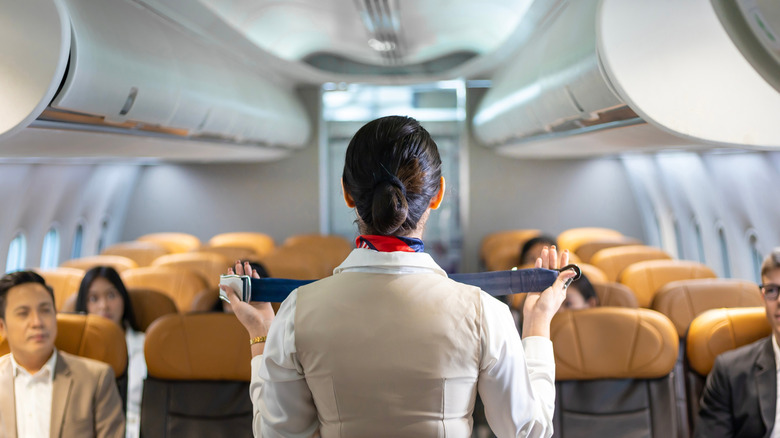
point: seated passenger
(532, 249)
(580, 295)
(45, 392)
(103, 293)
(740, 396)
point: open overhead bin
(600, 64)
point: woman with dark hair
(388, 345)
(103, 293)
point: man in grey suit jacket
(46, 392)
(740, 396)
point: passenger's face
(30, 323)
(105, 300)
(574, 300)
(772, 309)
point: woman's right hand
(256, 317)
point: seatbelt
(497, 283)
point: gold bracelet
(257, 340)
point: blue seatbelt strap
(497, 283)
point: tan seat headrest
(64, 281)
(588, 249)
(720, 330)
(260, 243)
(613, 343)
(88, 336)
(613, 260)
(180, 284)
(148, 305)
(682, 300)
(646, 278)
(209, 265)
(142, 253)
(573, 238)
(615, 295)
(172, 242)
(198, 346)
(119, 263)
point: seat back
(198, 372)
(615, 295)
(148, 305)
(172, 242)
(119, 263)
(623, 387)
(206, 264)
(586, 251)
(88, 336)
(594, 274)
(613, 260)
(142, 253)
(683, 300)
(260, 243)
(188, 290)
(646, 278)
(330, 250)
(712, 333)
(293, 263)
(64, 281)
(231, 253)
(508, 243)
(573, 238)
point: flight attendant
(389, 346)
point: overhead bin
(598, 64)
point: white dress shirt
(136, 373)
(32, 396)
(511, 394)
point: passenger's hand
(540, 307)
(256, 317)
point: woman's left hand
(256, 317)
(540, 307)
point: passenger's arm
(109, 419)
(716, 418)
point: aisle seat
(646, 278)
(573, 238)
(64, 281)
(119, 263)
(613, 260)
(260, 243)
(142, 253)
(198, 377)
(173, 242)
(614, 373)
(187, 289)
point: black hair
(110, 274)
(585, 287)
(543, 239)
(19, 278)
(392, 170)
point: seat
(206, 264)
(573, 238)
(172, 242)
(615, 295)
(613, 260)
(646, 278)
(89, 336)
(119, 263)
(231, 253)
(188, 290)
(623, 387)
(594, 274)
(148, 305)
(198, 372)
(586, 251)
(681, 301)
(293, 263)
(330, 249)
(508, 243)
(261, 244)
(64, 281)
(142, 253)
(712, 333)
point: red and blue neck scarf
(390, 243)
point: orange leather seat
(89, 336)
(620, 387)
(119, 263)
(149, 305)
(294, 263)
(646, 278)
(330, 250)
(198, 377)
(615, 295)
(206, 264)
(231, 253)
(594, 274)
(261, 244)
(613, 260)
(143, 253)
(64, 281)
(683, 300)
(172, 242)
(506, 246)
(187, 289)
(573, 238)
(586, 251)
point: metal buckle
(577, 272)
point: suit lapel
(7, 403)
(60, 394)
(766, 384)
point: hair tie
(387, 177)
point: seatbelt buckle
(240, 284)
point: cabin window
(78, 238)
(724, 252)
(17, 254)
(102, 239)
(678, 239)
(50, 252)
(699, 240)
(755, 256)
